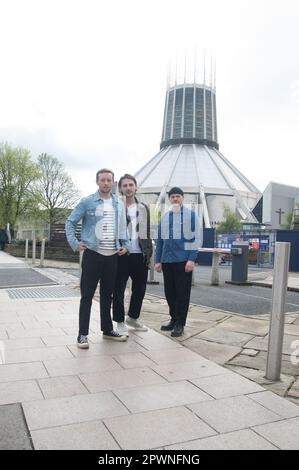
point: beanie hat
(175, 190)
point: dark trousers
(177, 287)
(2, 246)
(95, 268)
(132, 266)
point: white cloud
(85, 80)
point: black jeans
(95, 268)
(132, 266)
(177, 287)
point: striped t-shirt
(107, 243)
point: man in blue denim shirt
(177, 249)
(103, 239)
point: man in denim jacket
(103, 239)
(177, 249)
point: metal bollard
(33, 247)
(215, 269)
(42, 253)
(279, 292)
(26, 249)
(151, 279)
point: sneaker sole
(83, 346)
(115, 338)
(126, 333)
(137, 328)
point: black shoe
(168, 327)
(177, 331)
(114, 335)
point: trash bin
(239, 252)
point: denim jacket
(90, 210)
(178, 237)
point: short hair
(104, 170)
(175, 190)
(128, 177)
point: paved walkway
(151, 392)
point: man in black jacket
(135, 264)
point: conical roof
(192, 166)
(189, 157)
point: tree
(55, 189)
(17, 173)
(291, 219)
(288, 220)
(231, 222)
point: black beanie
(175, 190)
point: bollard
(42, 253)
(215, 269)
(151, 279)
(26, 249)
(279, 291)
(33, 247)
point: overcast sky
(85, 80)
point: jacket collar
(96, 196)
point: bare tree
(56, 190)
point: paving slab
(283, 434)
(246, 439)
(58, 387)
(260, 361)
(153, 397)
(294, 391)
(219, 353)
(14, 434)
(227, 385)
(127, 378)
(106, 348)
(156, 343)
(291, 330)
(246, 325)
(211, 315)
(189, 370)
(24, 343)
(172, 356)
(222, 336)
(70, 410)
(250, 352)
(262, 343)
(157, 428)
(16, 392)
(133, 360)
(275, 403)
(258, 376)
(80, 365)
(232, 414)
(13, 356)
(83, 436)
(27, 371)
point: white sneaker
(135, 324)
(122, 329)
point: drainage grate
(42, 292)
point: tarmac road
(249, 300)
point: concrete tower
(189, 155)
